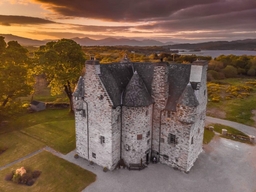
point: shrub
(251, 72)
(30, 182)
(105, 169)
(230, 71)
(25, 178)
(9, 177)
(16, 178)
(76, 156)
(36, 174)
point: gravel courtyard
(224, 166)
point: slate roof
(188, 97)
(117, 76)
(136, 93)
(79, 90)
(130, 84)
(178, 79)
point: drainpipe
(121, 128)
(121, 121)
(153, 107)
(87, 117)
(160, 133)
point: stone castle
(133, 112)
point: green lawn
(208, 135)
(57, 175)
(236, 109)
(218, 128)
(18, 145)
(59, 135)
(29, 119)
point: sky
(163, 20)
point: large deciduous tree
(61, 62)
(15, 70)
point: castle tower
(97, 127)
(160, 89)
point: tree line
(62, 61)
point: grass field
(218, 128)
(18, 145)
(29, 119)
(60, 135)
(208, 135)
(237, 105)
(57, 175)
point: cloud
(8, 20)
(121, 10)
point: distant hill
(22, 40)
(247, 44)
(115, 42)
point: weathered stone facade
(134, 111)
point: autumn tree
(15, 73)
(61, 62)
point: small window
(102, 139)
(162, 140)
(172, 139)
(127, 147)
(101, 97)
(148, 141)
(168, 114)
(192, 140)
(83, 113)
(166, 157)
(139, 137)
(94, 155)
(147, 113)
(148, 134)
(204, 92)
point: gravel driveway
(224, 166)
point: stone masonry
(136, 111)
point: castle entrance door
(147, 158)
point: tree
(15, 73)
(230, 71)
(61, 62)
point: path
(21, 159)
(241, 127)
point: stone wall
(197, 131)
(160, 88)
(116, 130)
(175, 154)
(136, 133)
(100, 120)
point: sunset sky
(164, 20)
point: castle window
(162, 140)
(148, 134)
(94, 155)
(168, 114)
(101, 97)
(127, 147)
(102, 139)
(83, 113)
(148, 141)
(147, 113)
(166, 157)
(192, 140)
(172, 139)
(139, 137)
